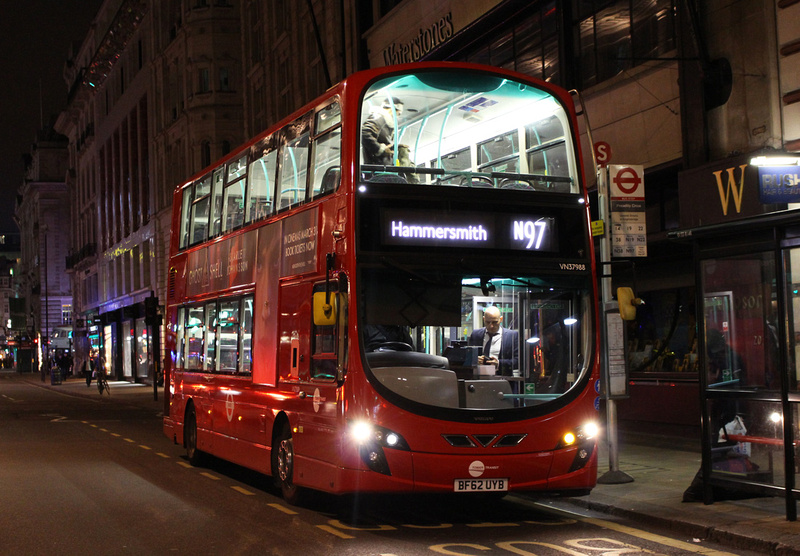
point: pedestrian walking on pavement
(89, 368)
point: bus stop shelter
(748, 287)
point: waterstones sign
(423, 42)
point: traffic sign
(602, 153)
(626, 181)
(628, 211)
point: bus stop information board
(628, 224)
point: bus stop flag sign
(628, 225)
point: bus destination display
(523, 232)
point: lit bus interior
(422, 327)
(420, 344)
(485, 132)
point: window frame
(206, 357)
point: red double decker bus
(392, 290)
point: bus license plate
(480, 485)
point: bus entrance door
(312, 407)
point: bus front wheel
(283, 465)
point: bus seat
(330, 180)
(477, 181)
(387, 178)
(515, 184)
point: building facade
(42, 213)
(155, 95)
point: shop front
(129, 344)
(747, 268)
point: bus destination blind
(420, 227)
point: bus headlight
(582, 437)
(371, 440)
(579, 435)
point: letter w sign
(732, 187)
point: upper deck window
(293, 162)
(216, 205)
(442, 128)
(284, 168)
(198, 219)
(234, 194)
(261, 185)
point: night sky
(35, 42)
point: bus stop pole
(613, 475)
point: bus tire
(283, 465)
(193, 454)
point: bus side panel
(252, 456)
(265, 327)
(239, 417)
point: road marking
(666, 541)
(334, 531)
(282, 508)
(338, 524)
(115, 434)
(445, 548)
(489, 524)
(639, 534)
(184, 464)
(210, 476)
(129, 440)
(143, 447)
(243, 490)
(162, 455)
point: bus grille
(485, 440)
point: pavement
(662, 468)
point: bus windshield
(466, 129)
(426, 332)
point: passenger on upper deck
(500, 345)
(377, 133)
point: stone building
(42, 215)
(154, 95)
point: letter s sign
(602, 153)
